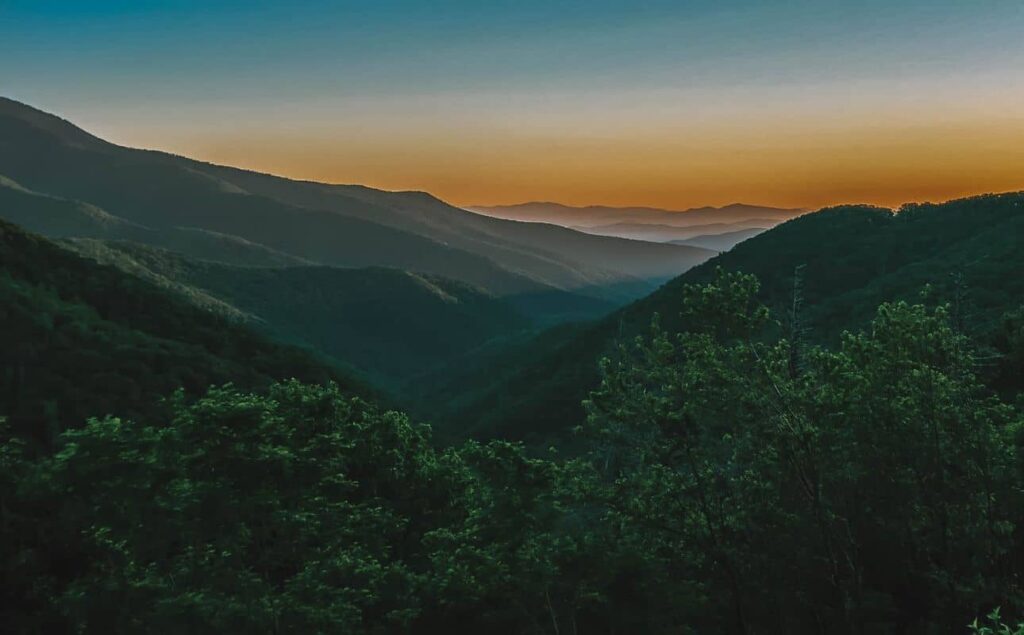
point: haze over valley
(730, 224)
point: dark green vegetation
(387, 323)
(993, 624)
(61, 218)
(729, 481)
(79, 339)
(967, 252)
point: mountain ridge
(82, 339)
(330, 224)
(595, 215)
(722, 242)
(385, 323)
(873, 255)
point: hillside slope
(543, 247)
(386, 323)
(336, 225)
(57, 217)
(722, 242)
(854, 258)
(80, 339)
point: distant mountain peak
(644, 223)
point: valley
(241, 401)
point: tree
(876, 487)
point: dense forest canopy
(81, 339)
(727, 481)
(848, 259)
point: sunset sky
(669, 104)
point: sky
(666, 104)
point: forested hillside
(726, 481)
(348, 226)
(81, 339)
(57, 217)
(849, 258)
(389, 324)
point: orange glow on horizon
(673, 105)
(767, 155)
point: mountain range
(730, 233)
(720, 242)
(387, 324)
(649, 223)
(389, 284)
(852, 258)
(109, 191)
(199, 368)
(487, 326)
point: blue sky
(372, 78)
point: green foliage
(302, 510)
(243, 512)
(993, 625)
(1006, 359)
(875, 487)
(78, 339)
(967, 252)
